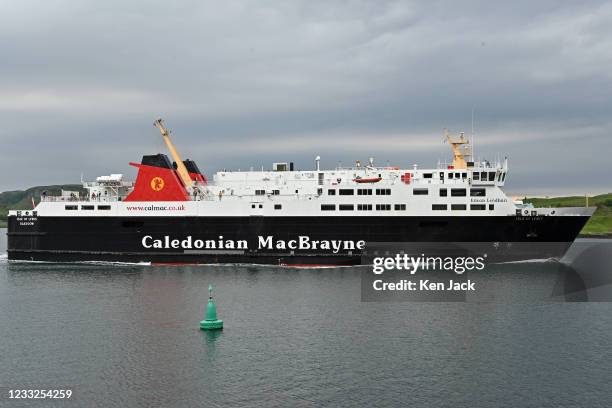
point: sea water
(127, 335)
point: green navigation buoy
(211, 322)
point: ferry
(173, 214)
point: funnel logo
(157, 183)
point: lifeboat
(367, 180)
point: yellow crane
(180, 167)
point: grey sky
(245, 83)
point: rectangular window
(420, 191)
(346, 207)
(346, 191)
(277, 192)
(132, 224)
(477, 192)
(478, 207)
(438, 207)
(87, 207)
(443, 192)
(383, 191)
(491, 176)
(278, 206)
(457, 175)
(383, 207)
(364, 191)
(364, 207)
(458, 192)
(328, 207)
(464, 175)
(458, 207)
(476, 176)
(483, 176)
(504, 177)
(331, 192)
(491, 207)
(260, 192)
(104, 207)
(71, 207)
(428, 175)
(400, 207)
(450, 176)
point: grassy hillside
(599, 224)
(22, 199)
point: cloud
(244, 83)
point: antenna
(473, 150)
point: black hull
(116, 239)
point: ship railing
(82, 198)
(476, 166)
(109, 183)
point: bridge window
(443, 192)
(420, 191)
(328, 207)
(491, 176)
(476, 176)
(450, 176)
(439, 207)
(477, 192)
(483, 176)
(458, 207)
(478, 207)
(458, 192)
(400, 207)
(346, 191)
(504, 176)
(364, 207)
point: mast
(472, 138)
(460, 149)
(180, 167)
